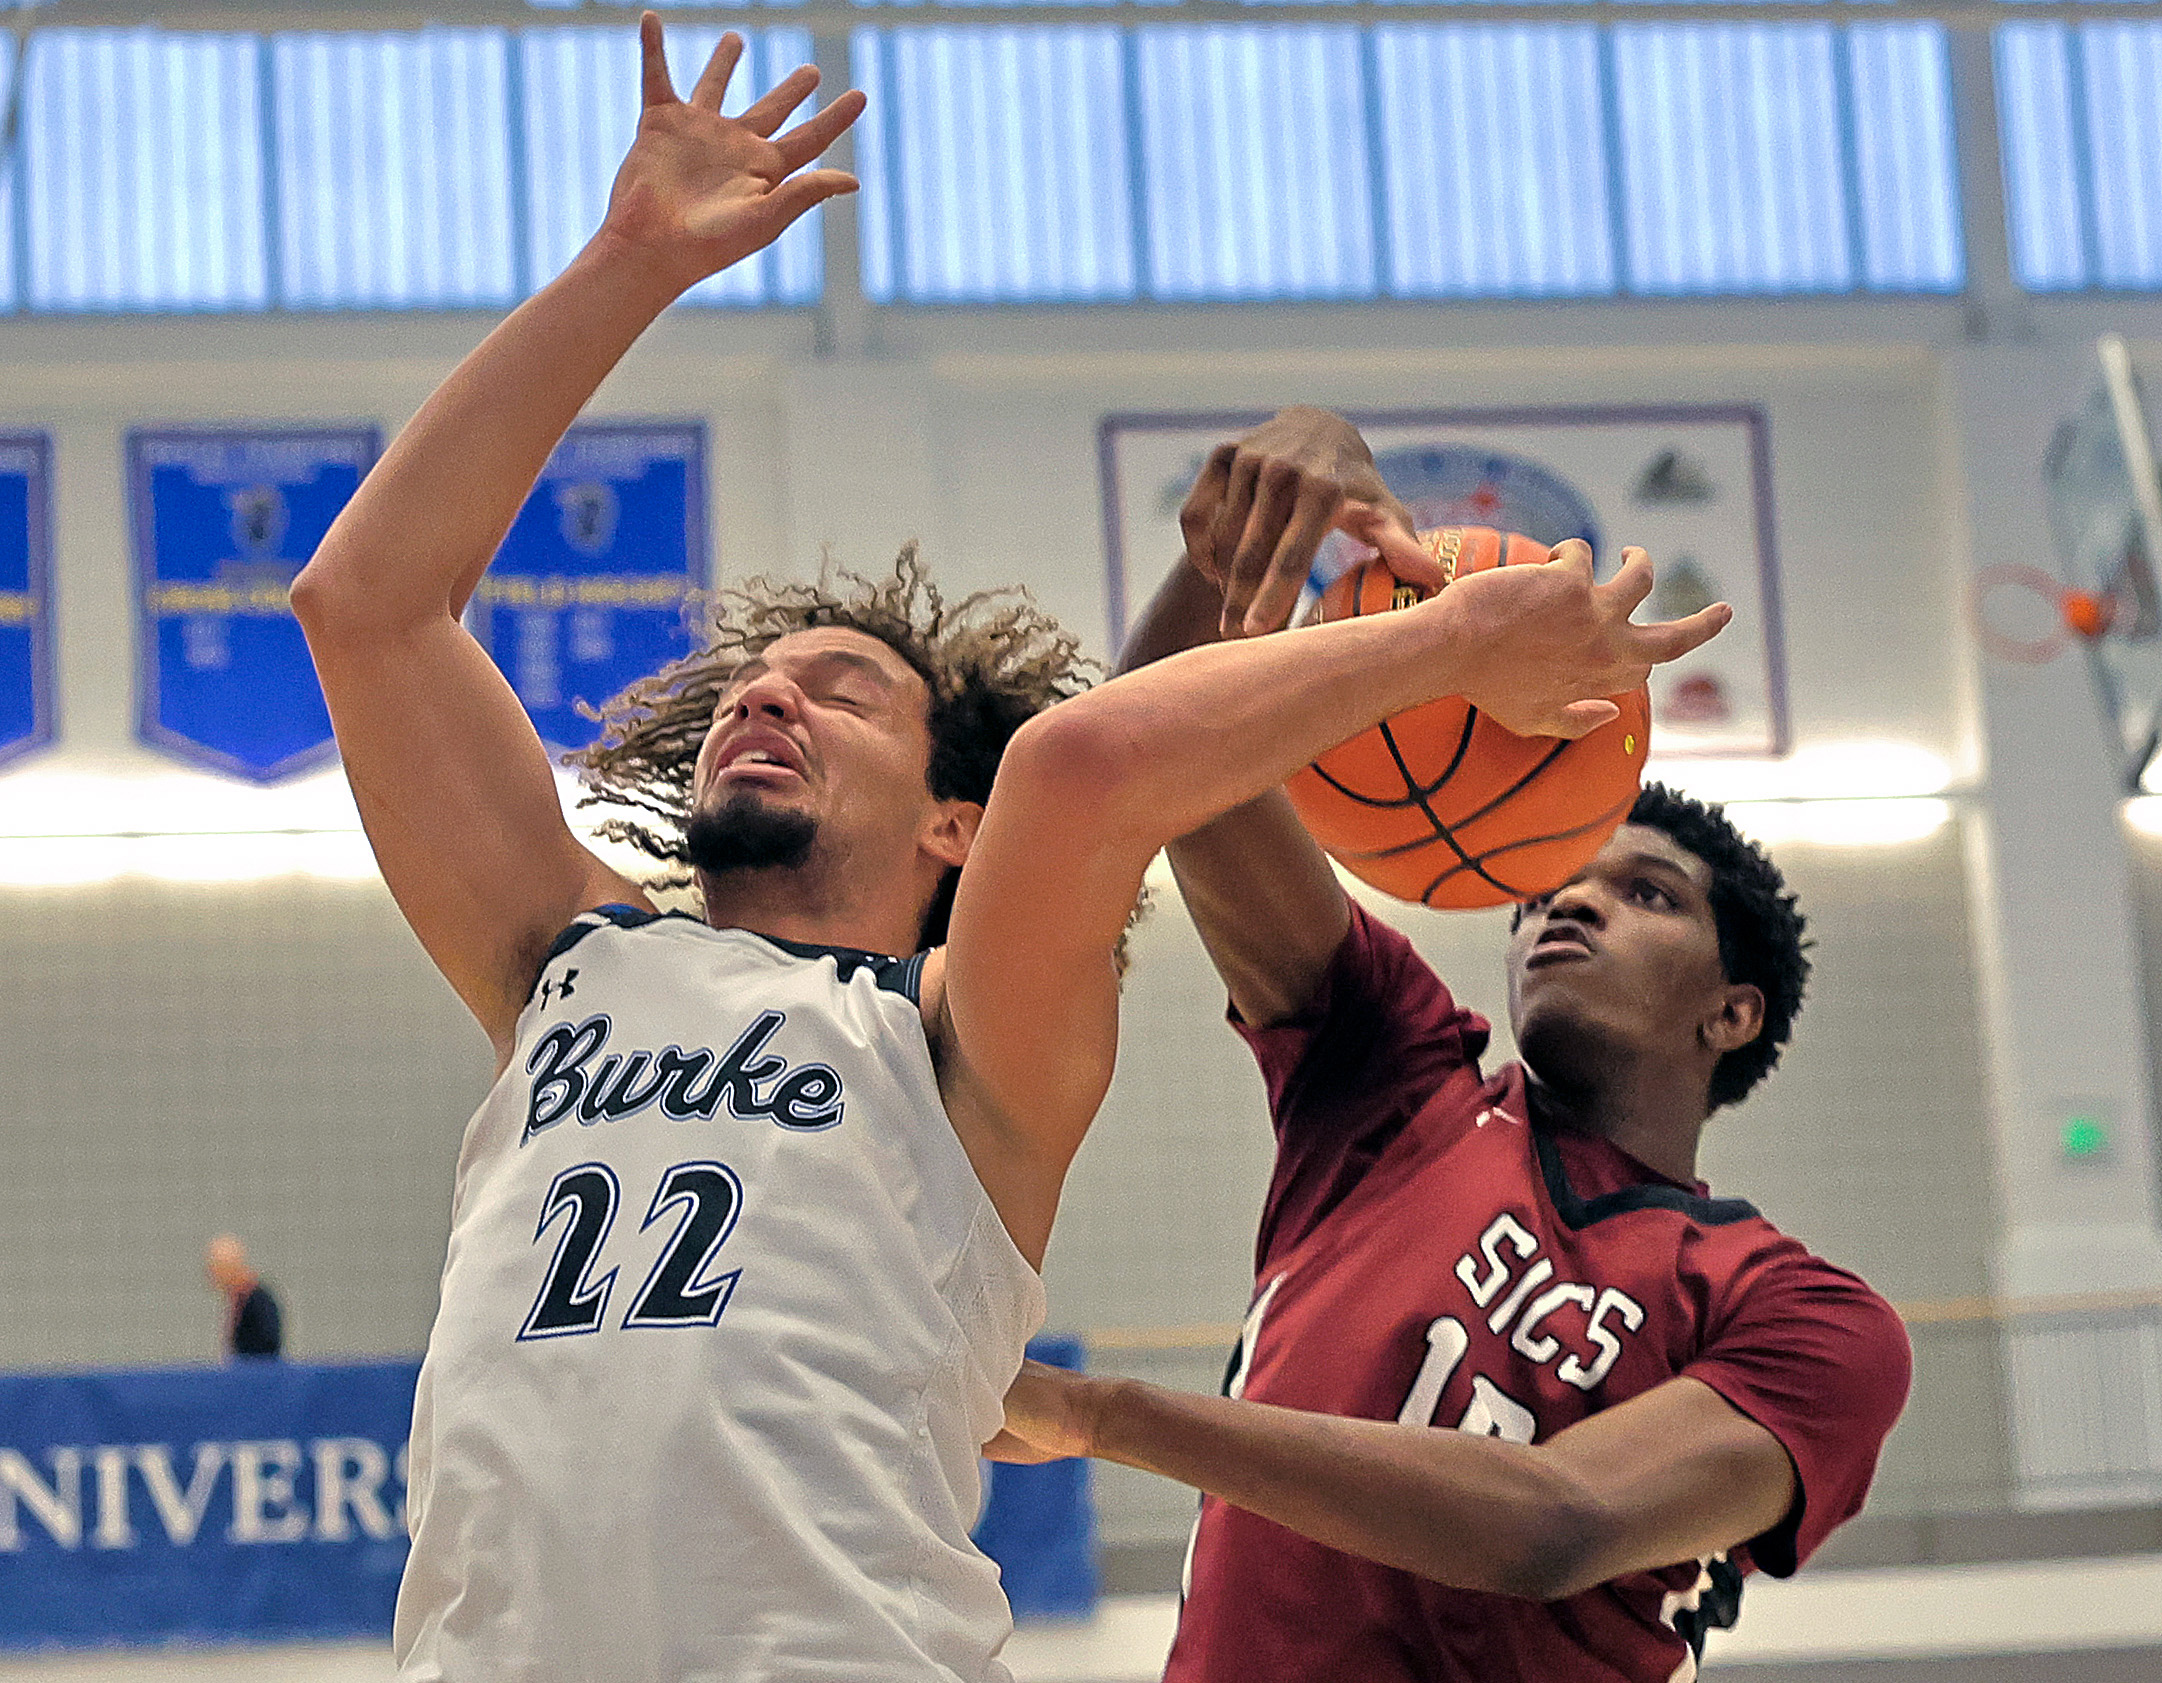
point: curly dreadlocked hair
(1761, 940)
(992, 662)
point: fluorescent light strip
(344, 855)
(221, 857)
(41, 802)
(61, 827)
(157, 800)
(75, 829)
(1826, 771)
(1894, 821)
(204, 857)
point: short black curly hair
(1762, 939)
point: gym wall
(276, 1057)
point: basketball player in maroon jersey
(1653, 1389)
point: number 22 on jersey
(677, 1292)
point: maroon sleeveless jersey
(1428, 1256)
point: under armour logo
(1486, 1116)
(559, 990)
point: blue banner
(588, 593)
(265, 1501)
(260, 1501)
(222, 521)
(26, 676)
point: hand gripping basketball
(1544, 640)
(1449, 804)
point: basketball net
(2105, 516)
(2026, 616)
(2105, 511)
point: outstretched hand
(1261, 507)
(1539, 639)
(699, 191)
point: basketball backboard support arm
(2106, 513)
(2137, 571)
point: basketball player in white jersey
(744, 1239)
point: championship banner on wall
(1690, 483)
(26, 673)
(589, 591)
(260, 1501)
(223, 520)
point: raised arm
(1262, 895)
(452, 783)
(1091, 789)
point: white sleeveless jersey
(725, 1319)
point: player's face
(1620, 963)
(830, 727)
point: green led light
(2085, 1137)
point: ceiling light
(1864, 770)
(1863, 823)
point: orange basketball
(1442, 805)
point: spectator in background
(253, 1325)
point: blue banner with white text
(26, 709)
(589, 590)
(223, 519)
(264, 1501)
(259, 1501)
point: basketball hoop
(2070, 613)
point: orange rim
(1990, 586)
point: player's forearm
(1266, 904)
(1258, 889)
(1156, 753)
(1185, 612)
(1471, 1512)
(424, 525)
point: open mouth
(765, 757)
(759, 764)
(1558, 946)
